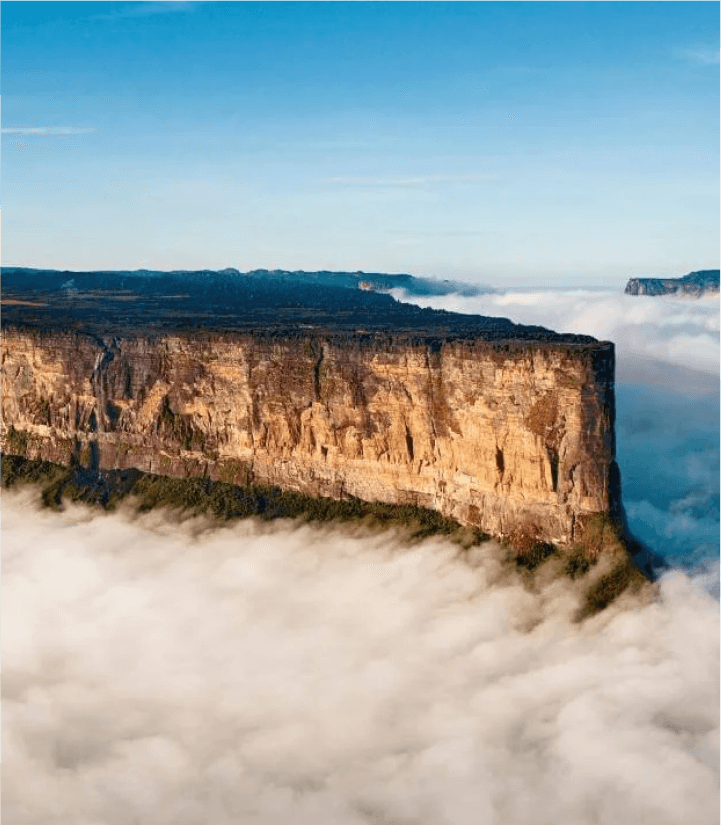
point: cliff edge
(695, 284)
(504, 428)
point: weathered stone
(506, 436)
(695, 284)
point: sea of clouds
(669, 330)
(176, 673)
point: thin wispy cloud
(440, 233)
(145, 10)
(31, 131)
(421, 180)
(702, 56)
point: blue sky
(502, 143)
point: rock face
(694, 284)
(504, 435)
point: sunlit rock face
(695, 284)
(502, 435)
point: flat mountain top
(695, 283)
(368, 281)
(262, 303)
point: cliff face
(505, 436)
(694, 284)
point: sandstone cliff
(695, 284)
(504, 435)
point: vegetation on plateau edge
(602, 583)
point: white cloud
(440, 233)
(168, 673)
(679, 331)
(703, 56)
(145, 9)
(46, 130)
(412, 181)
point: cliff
(507, 429)
(694, 284)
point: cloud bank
(679, 331)
(668, 451)
(170, 673)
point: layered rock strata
(501, 435)
(695, 284)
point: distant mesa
(695, 284)
(232, 279)
(266, 302)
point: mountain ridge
(695, 284)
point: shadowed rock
(695, 284)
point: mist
(168, 671)
(661, 330)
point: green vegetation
(578, 562)
(601, 539)
(195, 496)
(609, 587)
(17, 440)
(600, 534)
(16, 470)
(233, 471)
(528, 552)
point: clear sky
(506, 143)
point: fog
(167, 672)
(669, 330)
(668, 450)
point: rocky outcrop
(503, 435)
(695, 284)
